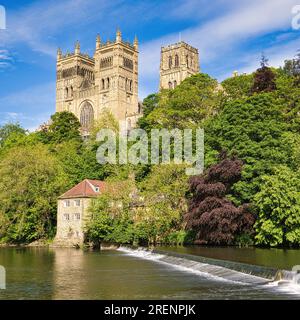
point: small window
(170, 85)
(76, 216)
(176, 61)
(170, 62)
(97, 189)
(77, 203)
(67, 203)
(66, 217)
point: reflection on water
(34, 273)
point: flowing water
(41, 273)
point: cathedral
(88, 85)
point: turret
(98, 42)
(59, 54)
(136, 43)
(118, 36)
(77, 48)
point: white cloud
(222, 35)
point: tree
(214, 217)
(64, 127)
(238, 87)
(187, 106)
(264, 78)
(292, 67)
(278, 209)
(8, 129)
(253, 129)
(111, 214)
(31, 179)
(163, 193)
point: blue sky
(230, 35)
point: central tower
(116, 76)
(178, 62)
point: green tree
(238, 87)
(8, 129)
(254, 129)
(31, 179)
(64, 127)
(163, 193)
(195, 99)
(278, 208)
(111, 214)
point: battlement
(68, 55)
(178, 45)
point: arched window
(187, 61)
(108, 84)
(170, 62)
(176, 60)
(72, 91)
(175, 84)
(130, 85)
(103, 84)
(170, 85)
(66, 93)
(86, 115)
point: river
(54, 273)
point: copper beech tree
(214, 218)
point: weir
(218, 269)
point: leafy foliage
(278, 207)
(64, 127)
(195, 99)
(215, 218)
(31, 180)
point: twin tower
(109, 81)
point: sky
(230, 35)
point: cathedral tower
(88, 85)
(178, 62)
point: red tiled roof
(86, 188)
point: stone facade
(108, 80)
(73, 213)
(71, 217)
(178, 62)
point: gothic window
(103, 84)
(170, 85)
(130, 85)
(86, 115)
(175, 84)
(170, 62)
(71, 91)
(128, 63)
(66, 93)
(108, 83)
(176, 60)
(187, 61)
(106, 62)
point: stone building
(72, 212)
(178, 62)
(108, 80)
